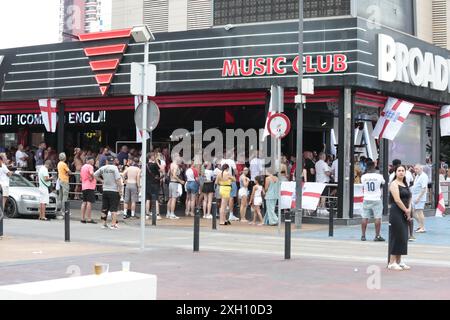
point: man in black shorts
(88, 184)
(112, 191)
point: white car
(24, 199)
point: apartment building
(82, 16)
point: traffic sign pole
(144, 147)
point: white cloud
(28, 22)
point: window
(247, 11)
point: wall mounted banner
(392, 119)
(358, 197)
(49, 109)
(445, 121)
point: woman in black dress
(400, 215)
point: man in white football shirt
(323, 173)
(372, 205)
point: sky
(28, 22)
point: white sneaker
(105, 226)
(158, 217)
(404, 266)
(174, 217)
(209, 217)
(114, 227)
(233, 218)
(325, 211)
(395, 267)
(147, 216)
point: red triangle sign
(104, 55)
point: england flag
(49, 109)
(272, 110)
(358, 197)
(440, 210)
(445, 121)
(139, 133)
(311, 195)
(392, 119)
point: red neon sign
(323, 64)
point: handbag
(58, 185)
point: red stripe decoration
(286, 194)
(104, 50)
(124, 33)
(358, 199)
(401, 119)
(104, 64)
(104, 78)
(312, 194)
(386, 122)
(444, 116)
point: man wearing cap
(88, 184)
(111, 180)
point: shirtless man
(132, 174)
(175, 181)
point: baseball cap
(110, 158)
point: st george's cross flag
(392, 118)
(440, 210)
(49, 110)
(139, 133)
(358, 197)
(273, 108)
(445, 121)
(311, 195)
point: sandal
(44, 219)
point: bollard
(287, 238)
(214, 212)
(67, 222)
(197, 230)
(389, 245)
(2, 216)
(331, 223)
(153, 202)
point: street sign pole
(299, 171)
(144, 146)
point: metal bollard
(214, 219)
(197, 230)
(287, 238)
(389, 245)
(154, 212)
(2, 216)
(331, 223)
(67, 222)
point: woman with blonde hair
(224, 180)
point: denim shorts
(192, 187)
(419, 206)
(372, 208)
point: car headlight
(28, 197)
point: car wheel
(11, 209)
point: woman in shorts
(243, 193)
(224, 180)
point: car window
(19, 181)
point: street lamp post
(142, 34)
(299, 102)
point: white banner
(139, 133)
(310, 199)
(392, 118)
(445, 121)
(358, 197)
(49, 110)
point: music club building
(222, 77)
